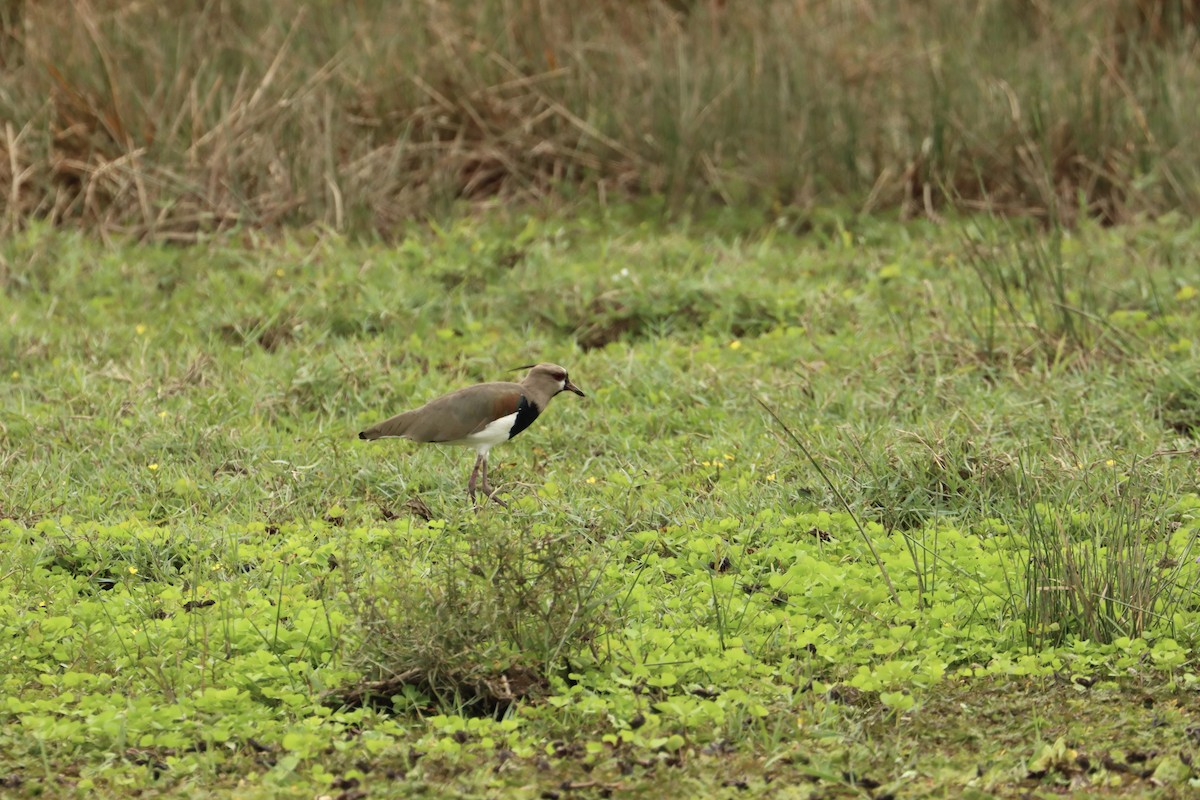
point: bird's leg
(475, 474)
(487, 487)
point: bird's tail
(396, 426)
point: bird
(480, 416)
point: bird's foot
(491, 495)
(488, 493)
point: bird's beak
(570, 387)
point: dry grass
(168, 119)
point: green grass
(211, 586)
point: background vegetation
(168, 119)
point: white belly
(492, 435)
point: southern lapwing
(480, 416)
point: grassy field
(866, 510)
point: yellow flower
(1110, 463)
(140, 329)
(152, 467)
(591, 479)
(729, 456)
(279, 273)
(771, 477)
(133, 570)
(735, 344)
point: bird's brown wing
(452, 417)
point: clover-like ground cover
(962, 561)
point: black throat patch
(527, 412)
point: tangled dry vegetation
(166, 120)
